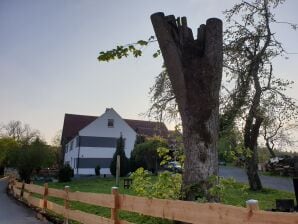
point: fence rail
(190, 212)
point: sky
(49, 49)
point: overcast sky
(49, 49)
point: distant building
(88, 141)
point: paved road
(12, 212)
(279, 183)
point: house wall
(99, 144)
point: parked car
(173, 166)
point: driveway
(12, 212)
(279, 183)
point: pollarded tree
(124, 162)
(194, 67)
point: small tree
(124, 162)
(146, 155)
(97, 170)
(65, 173)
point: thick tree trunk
(195, 71)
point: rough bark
(252, 129)
(195, 71)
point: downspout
(78, 161)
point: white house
(89, 141)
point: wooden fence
(190, 212)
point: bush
(97, 170)
(166, 186)
(65, 173)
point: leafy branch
(134, 49)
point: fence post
(29, 194)
(114, 211)
(45, 197)
(22, 189)
(66, 204)
(117, 170)
(252, 205)
(11, 183)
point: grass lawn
(234, 195)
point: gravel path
(279, 183)
(12, 212)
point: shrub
(65, 173)
(166, 186)
(97, 170)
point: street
(12, 212)
(278, 183)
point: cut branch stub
(179, 48)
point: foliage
(56, 146)
(166, 186)
(19, 132)
(230, 146)
(250, 47)
(146, 155)
(7, 144)
(124, 162)
(221, 184)
(97, 170)
(124, 51)
(134, 165)
(21, 148)
(30, 157)
(65, 173)
(175, 150)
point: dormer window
(110, 123)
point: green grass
(236, 195)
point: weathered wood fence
(190, 212)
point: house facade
(89, 141)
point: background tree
(250, 47)
(57, 148)
(6, 146)
(278, 126)
(19, 132)
(146, 155)
(124, 162)
(30, 157)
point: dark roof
(73, 123)
(148, 128)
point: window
(110, 123)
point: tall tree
(195, 69)
(19, 131)
(250, 46)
